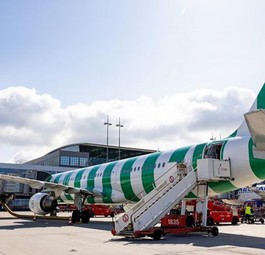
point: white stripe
(115, 178)
(98, 182)
(136, 177)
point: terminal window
(74, 161)
(83, 161)
(65, 161)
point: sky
(174, 72)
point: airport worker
(248, 212)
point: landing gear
(85, 216)
(76, 216)
(79, 214)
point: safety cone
(34, 217)
(70, 220)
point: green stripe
(197, 155)
(261, 98)
(125, 180)
(148, 177)
(59, 200)
(191, 195)
(222, 186)
(106, 181)
(234, 134)
(179, 154)
(91, 182)
(49, 179)
(223, 149)
(67, 178)
(68, 196)
(257, 165)
(56, 180)
(78, 177)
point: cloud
(34, 124)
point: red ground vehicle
(218, 212)
(103, 210)
(95, 210)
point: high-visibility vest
(248, 210)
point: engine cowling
(42, 203)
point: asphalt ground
(50, 237)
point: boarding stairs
(147, 212)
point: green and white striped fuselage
(127, 180)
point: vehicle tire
(215, 231)
(85, 216)
(157, 235)
(76, 216)
(190, 221)
(53, 213)
(261, 221)
(210, 221)
(234, 220)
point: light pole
(108, 124)
(119, 125)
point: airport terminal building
(86, 154)
(62, 159)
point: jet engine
(42, 203)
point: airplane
(255, 192)
(128, 180)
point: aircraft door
(213, 151)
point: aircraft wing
(258, 192)
(256, 122)
(232, 202)
(49, 186)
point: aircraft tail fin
(252, 117)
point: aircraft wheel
(76, 216)
(85, 216)
(215, 231)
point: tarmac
(54, 237)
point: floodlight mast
(107, 123)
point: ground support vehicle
(104, 210)
(173, 224)
(219, 212)
(94, 210)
